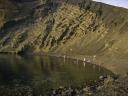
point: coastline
(116, 65)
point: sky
(120, 3)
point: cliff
(77, 28)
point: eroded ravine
(76, 28)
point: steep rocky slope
(78, 28)
(6, 12)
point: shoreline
(107, 86)
(87, 59)
(94, 59)
(117, 65)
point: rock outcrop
(66, 27)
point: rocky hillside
(77, 28)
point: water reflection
(44, 72)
